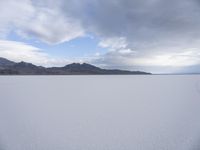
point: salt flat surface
(100, 112)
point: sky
(158, 36)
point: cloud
(19, 51)
(154, 33)
(158, 62)
(182, 59)
(51, 27)
(141, 22)
(12, 14)
(144, 33)
(33, 20)
(114, 43)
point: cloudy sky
(160, 36)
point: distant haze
(99, 113)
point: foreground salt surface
(100, 113)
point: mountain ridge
(8, 67)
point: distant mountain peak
(25, 63)
(82, 65)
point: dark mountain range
(8, 67)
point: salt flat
(100, 112)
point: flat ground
(100, 112)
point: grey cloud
(149, 26)
(132, 17)
(140, 21)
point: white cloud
(18, 51)
(49, 25)
(181, 59)
(14, 13)
(114, 43)
(157, 62)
